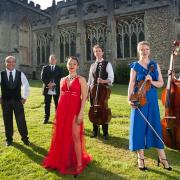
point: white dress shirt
(109, 71)
(24, 81)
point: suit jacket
(48, 76)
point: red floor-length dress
(62, 155)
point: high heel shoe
(144, 168)
(161, 161)
(78, 171)
(75, 176)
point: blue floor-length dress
(141, 135)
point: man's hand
(51, 85)
(100, 80)
(23, 100)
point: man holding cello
(101, 75)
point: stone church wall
(31, 34)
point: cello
(99, 113)
(171, 100)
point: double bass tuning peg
(176, 43)
(177, 48)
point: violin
(171, 100)
(139, 97)
(99, 113)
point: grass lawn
(111, 159)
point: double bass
(99, 112)
(171, 100)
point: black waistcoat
(11, 92)
(101, 67)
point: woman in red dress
(67, 152)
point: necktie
(52, 68)
(10, 80)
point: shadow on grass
(165, 173)
(173, 156)
(92, 171)
(36, 154)
(117, 142)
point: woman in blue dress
(141, 134)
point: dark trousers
(104, 128)
(8, 107)
(47, 101)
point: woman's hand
(148, 78)
(79, 118)
(132, 104)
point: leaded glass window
(96, 32)
(129, 31)
(67, 42)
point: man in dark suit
(11, 100)
(50, 75)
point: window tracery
(67, 42)
(130, 31)
(95, 33)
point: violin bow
(152, 128)
(176, 52)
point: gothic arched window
(38, 52)
(61, 52)
(126, 45)
(95, 33)
(119, 46)
(141, 36)
(73, 48)
(94, 41)
(38, 55)
(88, 49)
(47, 52)
(67, 49)
(67, 42)
(43, 54)
(133, 45)
(25, 41)
(43, 47)
(130, 31)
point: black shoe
(144, 168)
(162, 162)
(8, 143)
(94, 135)
(26, 142)
(106, 137)
(45, 121)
